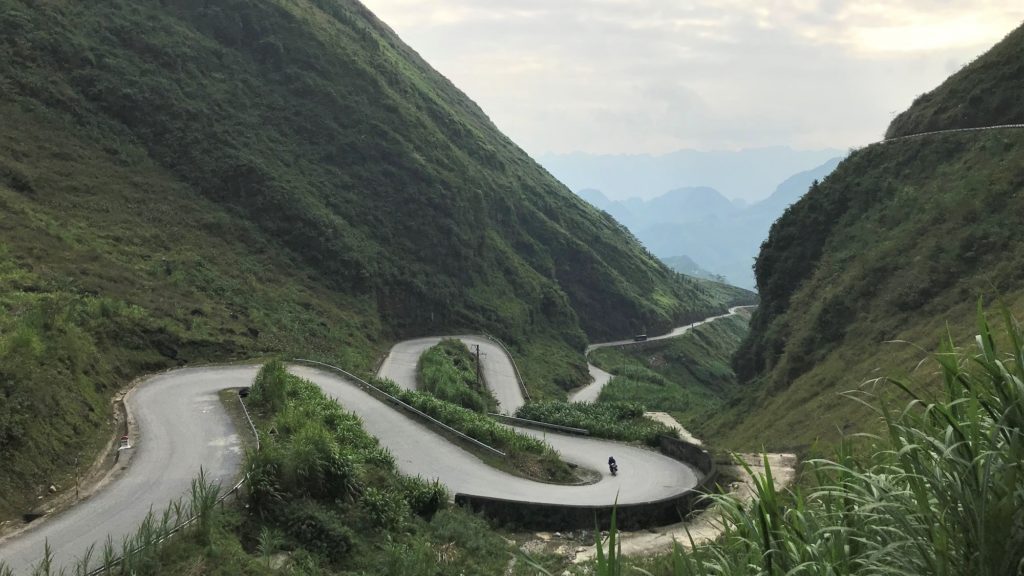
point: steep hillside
(990, 89)
(187, 181)
(896, 245)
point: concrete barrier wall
(628, 516)
(561, 517)
(689, 453)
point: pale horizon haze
(655, 76)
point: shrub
(315, 466)
(316, 528)
(424, 498)
(386, 509)
(269, 389)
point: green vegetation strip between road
(525, 455)
(326, 491)
(623, 421)
(448, 371)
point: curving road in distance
(601, 378)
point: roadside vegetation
(623, 421)
(329, 497)
(197, 519)
(448, 372)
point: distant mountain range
(716, 237)
(738, 174)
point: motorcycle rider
(613, 467)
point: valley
(348, 326)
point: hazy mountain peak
(748, 174)
(595, 197)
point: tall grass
(140, 552)
(940, 492)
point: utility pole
(77, 481)
(477, 349)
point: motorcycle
(613, 468)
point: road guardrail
(519, 377)
(380, 394)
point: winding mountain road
(644, 475)
(183, 426)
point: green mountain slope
(186, 181)
(987, 91)
(899, 241)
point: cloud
(615, 76)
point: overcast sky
(652, 76)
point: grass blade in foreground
(942, 493)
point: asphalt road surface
(183, 426)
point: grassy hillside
(897, 244)
(187, 181)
